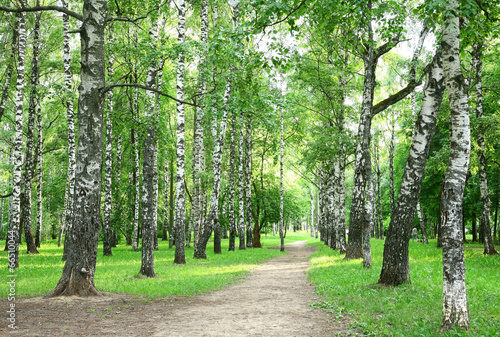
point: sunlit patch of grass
(38, 274)
(413, 309)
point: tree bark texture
(69, 195)
(39, 200)
(197, 211)
(423, 224)
(148, 169)
(10, 66)
(108, 158)
(252, 241)
(368, 221)
(395, 266)
(180, 202)
(241, 189)
(29, 158)
(18, 138)
(78, 273)
(232, 187)
(455, 309)
(282, 236)
(354, 247)
(339, 210)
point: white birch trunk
(39, 200)
(232, 187)
(29, 158)
(108, 157)
(248, 180)
(423, 225)
(241, 189)
(18, 141)
(455, 309)
(148, 159)
(79, 270)
(137, 185)
(212, 222)
(199, 162)
(281, 229)
(10, 67)
(180, 202)
(395, 267)
(368, 223)
(312, 212)
(69, 194)
(339, 208)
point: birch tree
(241, 189)
(29, 164)
(232, 187)
(108, 158)
(248, 191)
(180, 206)
(148, 195)
(211, 222)
(395, 267)
(282, 236)
(18, 138)
(10, 66)
(197, 210)
(455, 310)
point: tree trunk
(78, 273)
(312, 211)
(166, 184)
(377, 189)
(232, 187)
(180, 202)
(423, 224)
(69, 195)
(282, 237)
(29, 158)
(18, 143)
(241, 190)
(39, 200)
(485, 218)
(171, 210)
(391, 165)
(197, 211)
(108, 158)
(136, 182)
(368, 222)
(251, 241)
(395, 266)
(148, 166)
(10, 66)
(474, 229)
(455, 310)
(354, 247)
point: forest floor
(273, 300)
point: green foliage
(410, 310)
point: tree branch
(140, 86)
(124, 19)
(398, 96)
(3, 196)
(286, 17)
(43, 8)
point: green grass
(410, 310)
(38, 274)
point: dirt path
(273, 300)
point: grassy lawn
(410, 310)
(38, 274)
